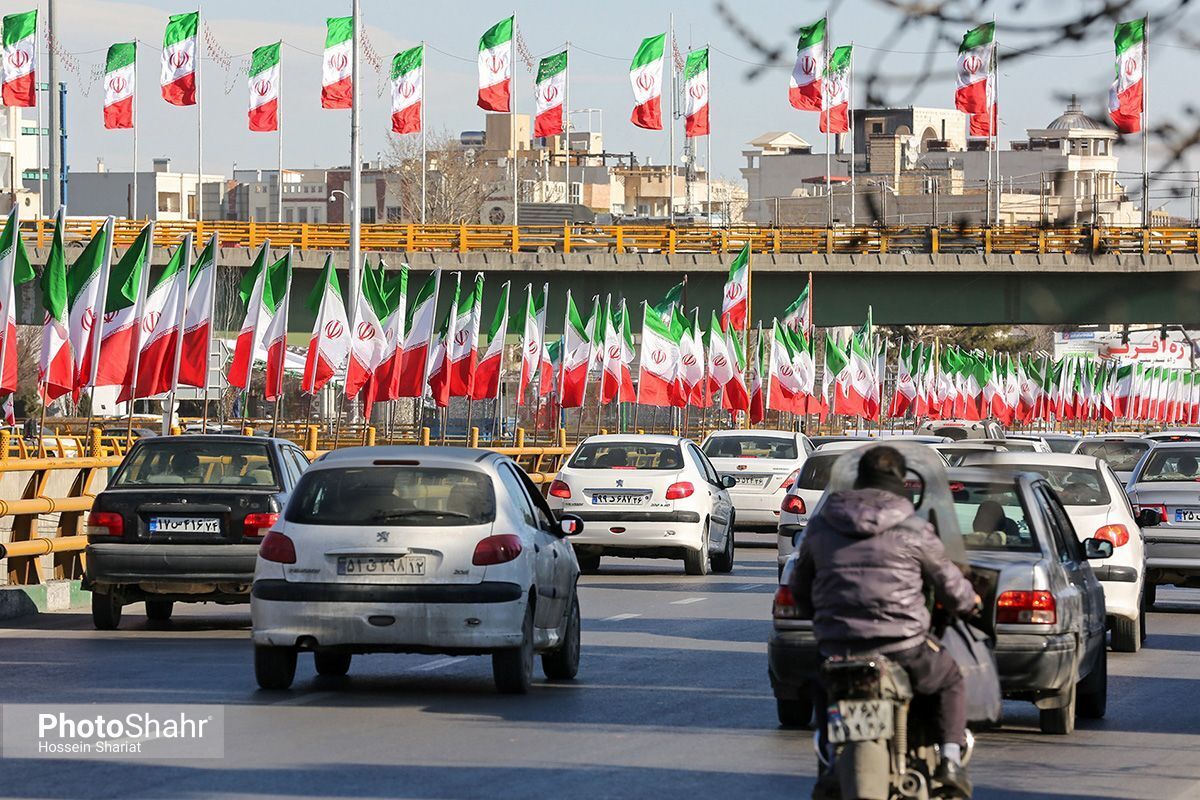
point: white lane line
(747, 586)
(687, 601)
(439, 663)
(620, 617)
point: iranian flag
(180, 58)
(391, 309)
(625, 323)
(462, 341)
(798, 316)
(784, 389)
(14, 271)
(726, 365)
(264, 88)
(337, 64)
(197, 318)
(805, 92)
(162, 318)
(754, 381)
(437, 367)
(618, 355)
(495, 67)
(576, 350)
(329, 345)
(369, 340)
(610, 354)
(531, 345)
(85, 300)
(735, 302)
(658, 378)
(408, 88)
(645, 75)
(487, 375)
(551, 94)
(121, 325)
(275, 336)
(419, 338)
(20, 49)
(546, 372)
(976, 64)
(835, 116)
(56, 367)
(691, 361)
(119, 75)
(904, 396)
(695, 94)
(1126, 98)
(1122, 391)
(256, 294)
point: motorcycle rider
(864, 562)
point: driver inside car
(865, 560)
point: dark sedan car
(181, 521)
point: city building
(162, 194)
(19, 175)
(253, 196)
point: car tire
(159, 610)
(106, 611)
(274, 667)
(588, 564)
(794, 713)
(1059, 721)
(512, 668)
(722, 562)
(562, 663)
(1092, 694)
(331, 663)
(1127, 634)
(696, 562)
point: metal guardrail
(673, 240)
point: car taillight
(560, 489)
(1029, 608)
(678, 491)
(790, 480)
(278, 548)
(255, 526)
(1161, 509)
(498, 549)
(1117, 534)
(105, 523)
(794, 504)
(784, 605)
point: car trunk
(186, 515)
(754, 476)
(1088, 519)
(619, 489)
(1178, 535)
(993, 572)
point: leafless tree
(457, 184)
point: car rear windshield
(750, 447)
(1121, 455)
(991, 517)
(816, 471)
(627, 455)
(393, 495)
(167, 462)
(1174, 464)
(1076, 486)
(1062, 445)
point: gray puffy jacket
(863, 564)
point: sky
(603, 37)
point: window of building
(527, 190)
(393, 213)
(576, 196)
(169, 202)
(288, 215)
(301, 215)
(368, 215)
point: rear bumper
(165, 564)
(669, 533)
(756, 511)
(1035, 663)
(793, 663)
(1172, 557)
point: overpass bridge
(909, 275)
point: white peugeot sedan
(801, 499)
(416, 550)
(1098, 508)
(763, 465)
(647, 496)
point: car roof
(1047, 435)
(1156, 445)
(634, 438)
(436, 454)
(771, 434)
(971, 444)
(210, 438)
(844, 445)
(1115, 437)
(1045, 460)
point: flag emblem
(117, 85)
(150, 321)
(19, 58)
(262, 88)
(366, 332)
(658, 356)
(645, 81)
(179, 59)
(809, 65)
(496, 63)
(973, 64)
(333, 329)
(339, 61)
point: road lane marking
(439, 663)
(687, 601)
(620, 617)
(746, 586)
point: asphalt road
(672, 701)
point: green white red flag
(646, 76)
(196, 350)
(255, 291)
(798, 316)
(576, 350)
(695, 94)
(275, 336)
(329, 345)
(735, 301)
(180, 58)
(1126, 98)
(486, 381)
(392, 310)
(408, 90)
(162, 319)
(658, 378)
(56, 366)
(337, 63)
(835, 113)
(692, 362)
(438, 367)
(86, 281)
(531, 345)
(416, 354)
(495, 67)
(264, 88)
(726, 367)
(462, 343)
(20, 55)
(976, 70)
(754, 380)
(805, 92)
(551, 94)
(119, 77)
(369, 340)
(14, 271)
(121, 325)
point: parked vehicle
(417, 549)
(764, 465)
(647, 496)
(1021, 445)
(955, 453)
(1165, 492)
(1174, 435)
(182, 519)
(958, 429)
(1058, 442)
(802, 498)
(1120, 451)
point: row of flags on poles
(820, 81)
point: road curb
(23, 601)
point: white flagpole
(140, 307)
(98, 319)
(850, 116)
(179, 315)
(424, 120)
(1146, 216)
(133, 201)
(670, 58)
(199, 121)
(708, 145)
(37, 102)
(567, 127)
(212, 309)
(828, 138)
(512, 115)
(279, 124)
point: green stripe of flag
(181, 27)
(120, 55)
(552, 65)
(1129, 34)
(407, 61)
(19, 26)
(649, 51)
(126, 278)
(978, 37)
(839, 61)
(338, 30)
(811, 35)
(264, 58)
(54, 276)
(697, 63)
(87, 265)
(498, 35)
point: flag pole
(424, 145)
(212, 309)
(134, 198)
(708, 144)
(1146, 217)
(850, 115)
(670, 57)
(199, 123)
(749, 312)
(512, 118)
(828, 138)
(355, 267)
(279, 125)
(287, 303)
(567, 128)
(137, 341)
(187, 272)
(994, 122)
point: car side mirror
(728, 481)
(1148, 518)
(570, 525)
(1097, 549)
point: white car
(801, 499)
(1098, 508)
(645, 496)
(422, 550)
(1121, 451)
(763, 465)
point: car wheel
(106, 611)
(274, 667)
(723, 561)
(512, 669)
(1093, 690)
(331, 663)
(588, 564)
(695, 562)
(1127, 634)
(794, 713)
(1059, 721)
(159, 610)
(562, 663)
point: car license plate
(185, 525)
(381, 565)
(619, 498)
(748, 481)
(860, 720)
(1187, 515)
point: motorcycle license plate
(860, 720)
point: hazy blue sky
(1030, 91)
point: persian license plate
(748, 481)
(185, 525)
(381, 565)
(620, 498)
(1187, 515)
(860, 720)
